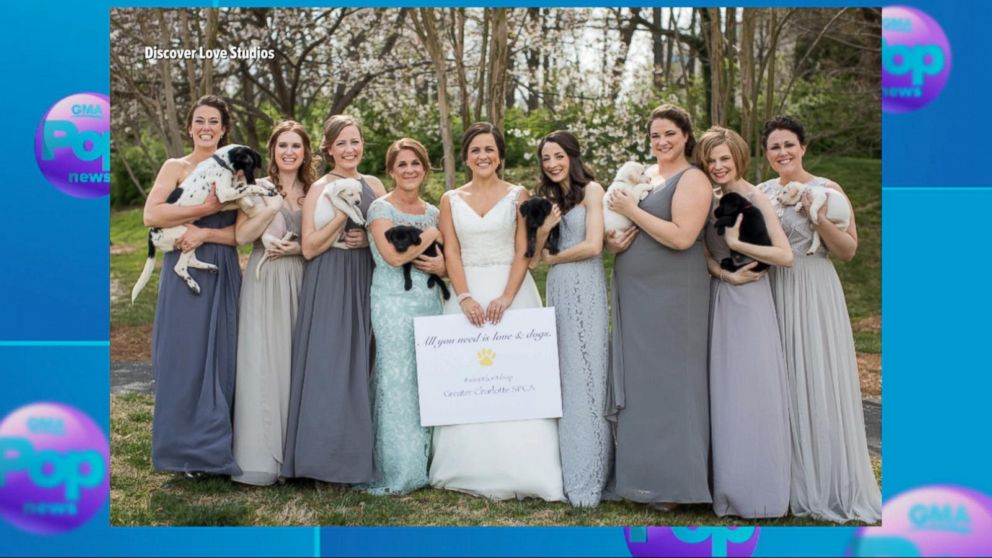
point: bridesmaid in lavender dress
(749, 413)
(576, 289)
(832, 477)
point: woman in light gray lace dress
(832, 477)
(576, 288)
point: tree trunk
(690, 64)
(772, 55)
(730, 46)
(748, 91)
(457, 35)
(533, 55)
(174, 137)
(498, 61)
(425, 25)
(482, 68)
(657, 51)
(717, 116)
(626, 28)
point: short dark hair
(218, 103)
(478, 129)
(783, 122)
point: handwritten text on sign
(507, 371)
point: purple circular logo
(691, 541)
(916, 59)
(54, 468)
(930, 521)
(72, 145)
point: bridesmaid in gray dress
(329, 430)
(195, 335)
(832, 476)
(576, 288)
(749, 413)
(659, 390)
(269, 303)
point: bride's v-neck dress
(497, 460)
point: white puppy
(277, 230)
(342, 195)
(220, 170)
(838, 208)
(632, 179)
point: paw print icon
(486, 357)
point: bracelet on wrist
(463, 296)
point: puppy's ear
(257, 160)
(390, 235)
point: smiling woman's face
(483, 156)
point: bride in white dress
(484, 249)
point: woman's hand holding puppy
(619, 241)
(355, 238)
(283, 248)
(733, 234)
(743, 275)
(193, 238)
(550, 221)
(623, 203)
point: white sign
(508, 371)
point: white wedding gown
(497, 460)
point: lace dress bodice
(486, 240)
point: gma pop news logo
(54, 468)
(916, 59)
(692, 541)
(930, 521)
(72, 145)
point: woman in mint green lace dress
(402, 446)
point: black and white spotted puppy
(402, 237)
(220, 169)
(535, 211)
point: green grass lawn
(140, 496)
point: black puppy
(402, 237)
(535, 211)
(753, 229)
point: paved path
(136, 377)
